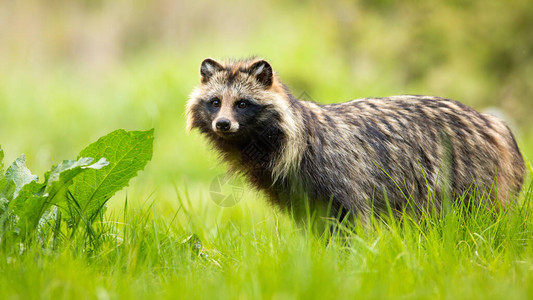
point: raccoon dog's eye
(242, 104)
(215, 102)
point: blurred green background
(72, 71)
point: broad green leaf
(35, 199)
(126, 152)
(3, 200)
(17, 176)
(28, 207)
(63, 173)
(2, 177)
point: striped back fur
(358, 154)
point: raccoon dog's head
(235, 99)
(240, 101)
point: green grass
(248, 251)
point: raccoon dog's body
(356, 155)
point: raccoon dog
(360, 156)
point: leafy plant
(72, 191)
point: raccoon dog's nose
(223, 124)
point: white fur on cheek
(193, 101)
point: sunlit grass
(254, 252)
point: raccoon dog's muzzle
(224, 126)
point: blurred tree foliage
(479, 52)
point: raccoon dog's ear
(262, 71)
(208, 68)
